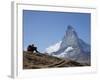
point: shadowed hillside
(39, 60)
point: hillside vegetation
(39, 60)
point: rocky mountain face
(72, 47)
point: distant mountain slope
(72, 47)
(39, 60)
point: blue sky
(45, 28)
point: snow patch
(53, 48)
(68, 49)
(64, 53)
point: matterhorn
(71, 47)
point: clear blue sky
(45, 28)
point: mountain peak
(70, 38)
(69, 27)
(72, 47)
(70, 30)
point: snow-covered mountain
(53, 48)
(71, 47)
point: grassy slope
(38, 60)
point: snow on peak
(69, 49)
(53, 48)
(65, 52)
